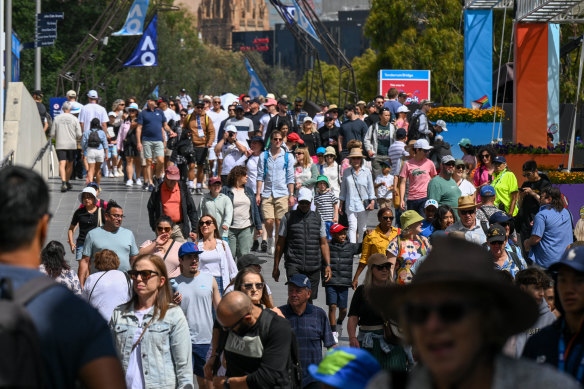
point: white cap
(71, 93)
(304, 194)
(270, 96)
(207, 98)
(307, 119)
(431, 202)
(231, 128)
(134, 106)
(111, 113)
(442, 124)
(75, 107)
(92, 94)
(438, 137)
(422, 144)
(403, 108)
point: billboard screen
(416, 83)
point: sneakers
(255, 245)
(64, 187)
(150, 188)
(138, 182)
(115, 173)
(120, 172)
(69, 185)
(111, 174)
(129, 183)
(145, 186)
(336, 337)
(264, 246)
(199, 191)
(339, 330)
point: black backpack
(93, 140)
(413, 128)
(21, 363)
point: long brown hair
(164, 297)
(238, 284)
(216, 234)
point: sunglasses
(165, 229)
(300, 153)
(449, 164)
(206, 222)
(144, 274)
(467, 212)
(231, 110)
(461, 167)
(385, 266)
(526, 174)
(250, 286)
(485, 156)
(226, 329)
(448, 312)
(387, 217)
(216, 102)
(122, 104)
(277, 140)
(182, 115)
(171, 104)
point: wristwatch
(226, 383)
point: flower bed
(457, 115)
(565, 177)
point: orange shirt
(171, 202)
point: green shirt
(505, 185)
(444, 191)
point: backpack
(266, 155)
(413, 128)
(94, 140)
(21, 363)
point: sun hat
(431, 202)
(464, 142)
(403, 109)
(133, 106)
(426, 102)
(410, 217)
(188, 248)
(89, 190)
(172, 172)
(345, 368)
(466, 202)
(496, 233)
(330, 151)
(304, 194)
(320, 150)
(355, 152)
(467, 267)
(422, 144)
(487, 191)
(337, 228)
(322, 178)
(248, 260)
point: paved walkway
(133, 200)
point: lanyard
(499, 178)
(562, 356)
(199, 122)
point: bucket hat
(355, 153)
(409, 217)
(89, 190)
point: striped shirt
(395, 153)
(324, 203)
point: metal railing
(8, 160)
(542, 11)
(488, 4)
(42, 152)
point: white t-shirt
(244, 127)
(252, 172)
(241, 207)
(169, 114)
(466, 188)
(110, 289)
(264, 122)
(231, 157)
(383, 192)
(91, 111)
(134, 376)
(217, 118)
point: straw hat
(355, 152)
(466, 202)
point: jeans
(357, 225)
(78, 252)
(240, 241)
(417, 205)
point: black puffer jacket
(342, 263)
(303, 240)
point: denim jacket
(166, 346)
(256, 217)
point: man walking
(67, 133)
(468, 223)
(91, 111)
(419, 127)
(244, 125)
(302, 238)
(378, 140)
(202, 134)
(352, 128)
(443, 188)
(310, 325)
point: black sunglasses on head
(448, 312)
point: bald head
(233, 306)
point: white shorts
(94, 155)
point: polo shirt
(555, 230)
(444, 191)
(171, 202)
(474, 235)
(505, 183)
(152, 122)
(312, 330)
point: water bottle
(173, 286)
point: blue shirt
(277, 178)
(152, 123)
(102, 138)
(312, 330)
(392, 105)
(353, 129)
(121, 242)
(356, 188)
(427, 229)
(71, 332)
(555, 230)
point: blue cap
(573, 258)
(499, 217)
(300, 280)
(320, 150)
(188, 248)
(257, 139)
(345, 368)
(499, 159)
(487, 191)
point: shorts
(313, 276)
(153, 149)
(94, 155)
(112, 151)
(337, 295)
(66, 155)
(199, 155)
(274, 208)
(78, 252)
(199, 358)
(328, 229)
(142, 159)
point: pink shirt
(419, 173)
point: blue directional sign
(46, 28)
(51, 15)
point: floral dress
(67, 278)
(407, 252)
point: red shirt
(171, 202)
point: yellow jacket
(377, 242)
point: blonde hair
(307, 159)
(164, 296)
(579, 230)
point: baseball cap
(293, 137)
(320, 150)
(442, 123)
(200, 103)
(111, 113)
(487, 191)
(324, 103)
(188, 248)
(133, 106)
(183, 90)
(438, 138)
(401, 133)
(499, 159)
(239, 107)
(333, 107)
(573, 258)
(499, 217)
(337, 228)
(231, 128)
(447, 158)
(345, 368)
(71, 93)
(214, 180)
(298, 100)
(459, 162)
(299, 280)
(270, 102)
(307, 119)
(172, 173)
(431, 202)
(248, 260)
(76, 107)
(270, 96)
(403, 108)
(304, 194)
(423, 144)
(37, 92)
(206, 98)
(283, 102)
(496, 233)
(92, 94)
(257, 139)
(329, 116)
(464, 142)
(426, 102)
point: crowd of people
(468, 275)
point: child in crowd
(337, 287)
(384, 187)
(326, 203)
(112, 147)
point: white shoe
(120, 172)
(138, 182)
(336, 337)
(129, 183)
(111, 174)
(116, 174)
(270, 246)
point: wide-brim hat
(89, 190)
(356, 152)
(466, 267)
(330, 151)
(466, 202)
(410, 217)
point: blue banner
(287, 11)
(478, 58)
(135, 19)
(303, 22)
(256, 88)
(146, 53)
(553, 95)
